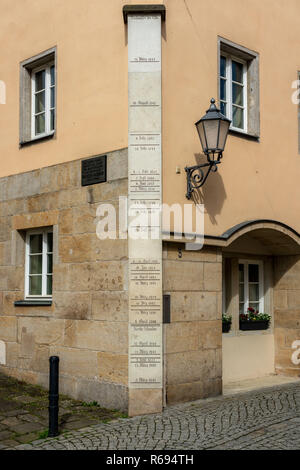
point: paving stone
(6, 405)
(78, 424)
(33, 419)
(8, 443)
(25, 447)
(25, 399)
(43, 413)
(14, 412)
(11, 421)
(25, 438)
(27, 427)
(5, 435)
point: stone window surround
(252, 60)
(18, 244)
(230, 302)
(44, 253)
(26, 68)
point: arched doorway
(261, 269)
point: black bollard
(53, 396)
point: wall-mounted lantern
(213, 130)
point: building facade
(97, 109)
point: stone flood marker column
(145, 375)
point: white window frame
(246, 263)
(48, 108)
(44, 232)
(229, 104)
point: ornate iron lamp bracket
(196, 176)
(213, 130)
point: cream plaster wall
(247, 356)
(91, 78)
(249, 183)
(91, 41)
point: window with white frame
(38, 263)
(43, 100)
(38, 97)
(251, 293)
(233, 90)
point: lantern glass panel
(224, 128)
(211, 130)
(202, 135)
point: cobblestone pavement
(265, 419)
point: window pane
(52, 98)
(254, 305)
(50, 242)
(40, 80)
(242, 293)
(223, 66)
(52, 75)
(40, 102)
(49, 285)
(40, 123)
(36, 243)
(49, 265)
(241, 310)
(52, 119)
(238, 117)
(35, 285)
(253, 273)
(223, 89)
(253, 292)
(241, 272)
(237, 94)
(35, 264)
(237, 72)
(223, 108)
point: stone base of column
(145, 401)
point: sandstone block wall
(286, 312)
(193, 348)
(87, 324)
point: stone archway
(279, 247)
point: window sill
(237, 333)
(33, 303)
(245, 135)
(37, 140)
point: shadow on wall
(286, 314)
(287, 272)
(212, 194)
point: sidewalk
(268, 418)
(261, 419)
(24, 413)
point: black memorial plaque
(93, 170)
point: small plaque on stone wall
(93, 170)
(166, 308)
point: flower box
(253, 320)
(226, 323)
(254, 325)
(226, 327)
